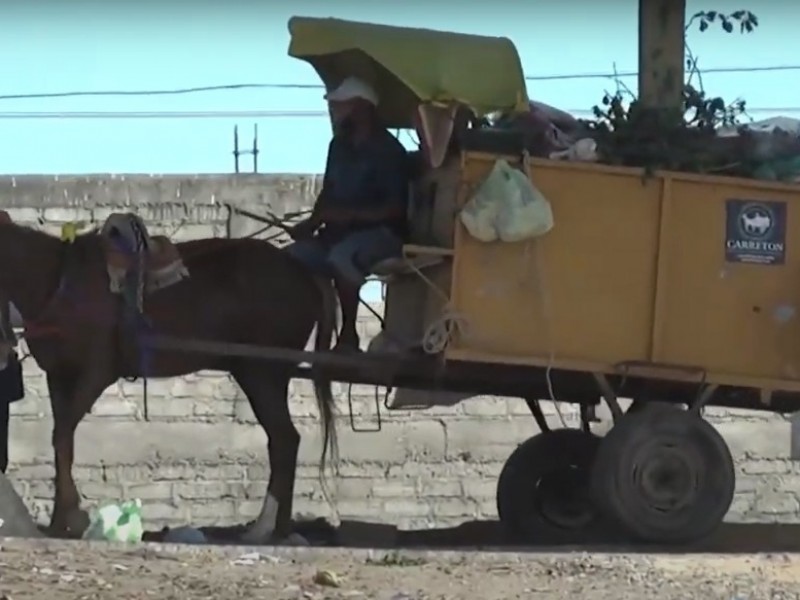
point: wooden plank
(414, 249)
(268, 353)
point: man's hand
(302, 230)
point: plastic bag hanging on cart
(507, 206)
(525, 213)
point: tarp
(409, 65)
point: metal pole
(255, 148)
(236, 148)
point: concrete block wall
(201, 458)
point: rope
(547, 309)
(450, 325)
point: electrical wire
(209, 114)
(258, 114)
(245, 86)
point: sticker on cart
(755, 232)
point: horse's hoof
(78, 521)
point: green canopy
(407, 66)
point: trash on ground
(327, 578)
(117, 523)
(185, 535)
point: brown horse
(239, 290)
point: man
(359, 218)
(11, 385)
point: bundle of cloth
(553, 133)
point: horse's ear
(5, 218)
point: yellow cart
(675, 290)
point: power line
(258, 114)
(626, 74)
(252, 86)
(209, 114)
(167, 92)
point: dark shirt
(372, 174)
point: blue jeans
(352, 256)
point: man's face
(341, 112)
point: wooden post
(661, 53)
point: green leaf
(703, 25)
(727, 26)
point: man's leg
(352, 260)
(312, 253)
(8, 393)
(5, 409)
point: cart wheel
(664, 475)
(543, 489)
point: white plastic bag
(507, 206)
(117, 523)
(525, 212)
(480, 212)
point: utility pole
(662, 54)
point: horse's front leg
(70, 400)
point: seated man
(359, 218)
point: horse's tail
(326, 325)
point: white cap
(352, 88)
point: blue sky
(52, 46)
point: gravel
(60, 570)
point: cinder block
(147, 492)
(398, 442)
(213, 512)
(455, 508)
(201, 490)
(24, 216)
(771, 502)
(63, 215)
(757, 439)
(485, 440)
(157, 513)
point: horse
(238, 290)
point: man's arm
(317, 212)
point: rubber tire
(538, 456)
(613, 466)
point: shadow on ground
(730, 538)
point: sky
(94, 45)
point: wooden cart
(677, 291)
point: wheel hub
(665, 476)
(562, 498)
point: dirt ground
(61, 570)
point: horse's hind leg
(267, 390)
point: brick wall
(433, 467)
